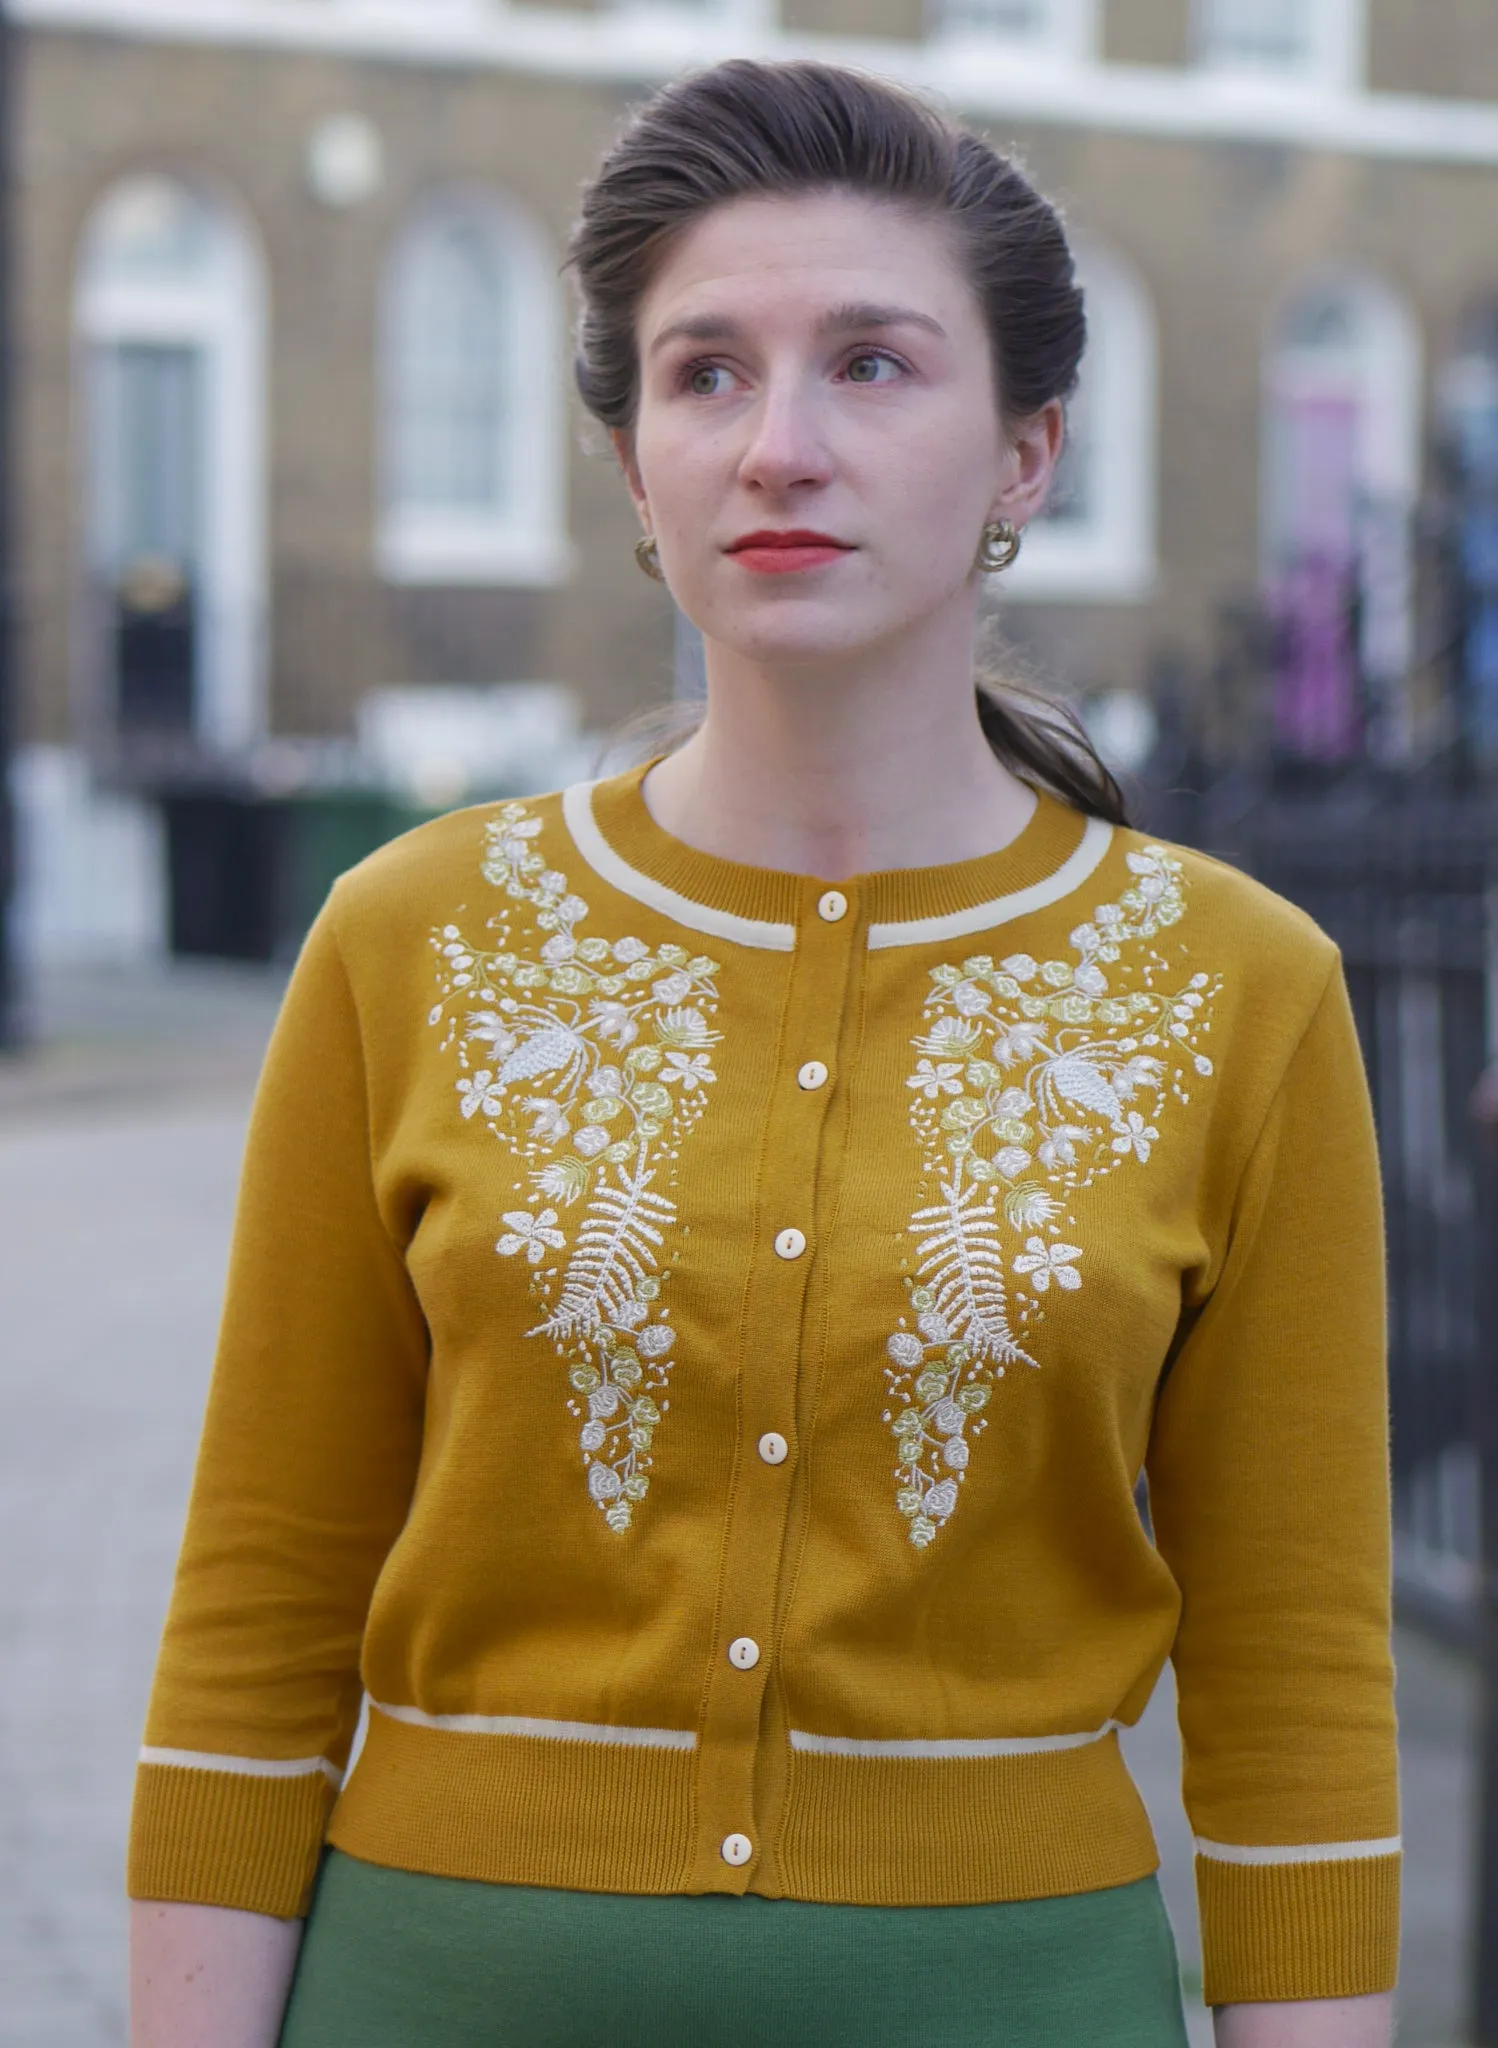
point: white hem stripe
(244, 1766)
(577, 809)
(1310, 1852)
(542, 1731)
(1003, 1745)
(961, 924)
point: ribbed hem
(214, 1838)
(599, 1817)
(1298, 1930)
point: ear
(624, 449)
(1034, 449)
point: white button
(790, 1244)
(833, 906)
(736, 1849)
(773, 1448)
(743, 1653)
(813, 1075)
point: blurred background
(303, 538)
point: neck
(833, 771)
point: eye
(869, 367)
(706, 380)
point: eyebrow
(857, 315)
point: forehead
(804, 251)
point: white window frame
(1068, 34)
(1335, 60)
(525, 543)
(223, 314)
(1111, 555)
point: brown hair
(745, 129)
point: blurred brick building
(295, 417)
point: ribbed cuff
(1298, 1930)
(214, 1838)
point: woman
(718, 1248)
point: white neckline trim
(1072, 873)
(543, 1731)
(1309, 1852)
(244, 1766)
(1002, 1745)
(577, 809)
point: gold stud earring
(648, 556)
(999, 547)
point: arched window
(1044, 28)
(170, 321)
(1341, 455)
(473, 456)
(1096, 539)
(1307, 42)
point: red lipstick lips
(769, 553)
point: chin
(799, 633)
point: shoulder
(424, 875)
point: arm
(1317, 2023)
(207, 1976)
(1268, 1471)
(305, 1475)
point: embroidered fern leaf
(962, 1262)
(616, 1249)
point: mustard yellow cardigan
(692, 1339)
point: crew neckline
(1053, 854)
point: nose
(787, 443)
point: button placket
(735, 1833)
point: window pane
(153, 230)
(449, 410)
(1029, 18)
(1270, 32)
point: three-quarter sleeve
(1268, 1473)
(304, 1478)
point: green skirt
(392, 1959)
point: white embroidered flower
(1029, 1207)
(1135, 1136)
(1058, 1147)
(1142, 1072)
(558, 949)
(1047, 1262)
(941, 1499)
(1091, 980)
(480, 1094)
(656, 1341)
(971, 1000)
(591, 1140)
(1202, 1064)
(951, 1035)
(605, 1400)
(683, 1027)
(564, 1180)
(1012, 1160)
(947, 1418)
(604, 1483)
(548, 1118)
(693, 1070)
(551, 882)
(672, 988)
(531, 1235)
(1012, 1102)
(591, 1436)
(607, 1081)
(1021, 966)
(626, 951)
(489, 1028)
(934, 1328)
(907, 1351)
(1018, 1043)
(615, 1023)
(931, 1081)
(955, 1453)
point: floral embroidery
(592, 1063)
(1034, 1080)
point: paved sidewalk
(118, 1159)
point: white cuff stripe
(544, 1731)
(1308, 1852)
(244, 1766)
(956, 1747)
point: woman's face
(818, 444)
